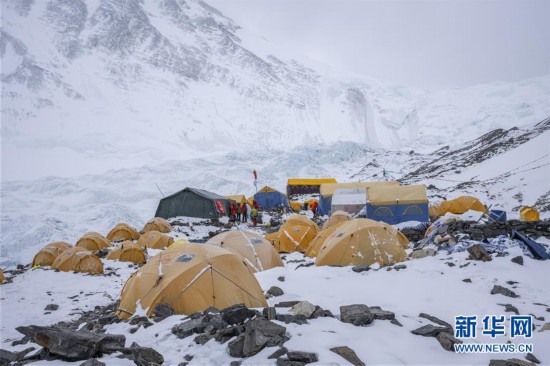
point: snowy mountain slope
(100, 84)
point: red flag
(255, 174)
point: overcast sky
(428, 44)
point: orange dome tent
(295, 234)
(361, 242)
(154, 240)
(128, 252)
(157, 224)
(191, 278)
(78, 259)
(257, 251)
(47, 255)
(93, 241)
(122, 232)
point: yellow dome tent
(154, 240)
(458, 205)
(336, 217)
(317, 242)
(122, 232)
(295, 234)
(2, 277)
(157, 224)
(78, 259)
(361, 242)
(178, 243)
(47, 255)
(93, 241)
(528, 213)
(296, 206)
(191, 278)
(128, 252)
(271, 237)
(257, 251)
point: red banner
(219, 207)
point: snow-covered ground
(427, 285)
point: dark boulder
(348, 354)
(358, 314)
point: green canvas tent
(193, 202)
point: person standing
(233, 207)
(238, 211)
(313, 207)
(244, 210)
(254, 216)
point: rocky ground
(400, 314)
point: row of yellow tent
(342, 241)
(463, 204)
(65, 257)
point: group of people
(239, 212)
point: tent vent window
(185, 258)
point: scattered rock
(381, 314)
(464, 265)
(186, 328)
(518, 260)
(162, 311)
(262, 333)
(275, 291)
(305, 265)
(226, 334)
(281, 278)
(429, 330)
(236, 347)
(203, 338)
(422, 253)
(447, 341)
(509, 308)
(478, 253)
(288, 318)
(511, 283)
(138, 320)
(360, 269)
(269, 313)
(510, 362)
(348, 354)
(142, 356)
(467, 280)
(278, 353)
(503, 291)
(546, 326)
(303, 308)
(92, 362)
(435, 320)
(305, 357)
(358, 314)
(321, 313)
(235, 363)
(450, 264)
(396, 322)
(531, 357)
(539, 318)
(51, 307)
(73, 345)
(399, 266)
(237, 314)
(286, 304)
(6, 357)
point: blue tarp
(497, 215)
(538, 250)
(394, 214)
(268, 200)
